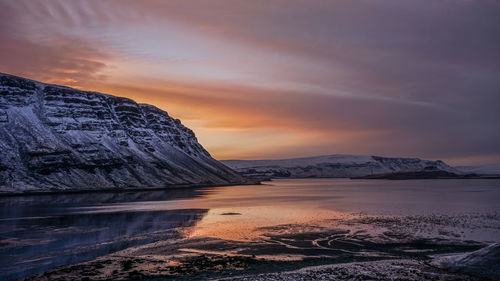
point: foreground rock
(55, 138)
(335, 166)
(483, 262)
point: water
(45, 231)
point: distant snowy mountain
(485, 170)
(57, 138)
(334, 166)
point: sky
(281, 78)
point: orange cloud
(288, 78)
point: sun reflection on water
(250, 223)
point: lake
(41, 232)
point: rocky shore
(357, 247)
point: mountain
(55, 138)
(334, 166)
(423, 174)
(484, 170)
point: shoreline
(357, 248)
(252, 232)
(199, 258)
(114, 190)
(256, 182)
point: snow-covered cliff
(333, 166)
(57, 138)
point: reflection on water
(317, 202)
(41, 232)
(249, 224)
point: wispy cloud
(281, 78)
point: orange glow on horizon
(278, 81)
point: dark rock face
(58, 138)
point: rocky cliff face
(334, 166)
(58, 138)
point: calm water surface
(41, 232)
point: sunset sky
(278, 79)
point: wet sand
(358, 247)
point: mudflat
(325, 229)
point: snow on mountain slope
(333, 166)
(486, 170)
(57, 138)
